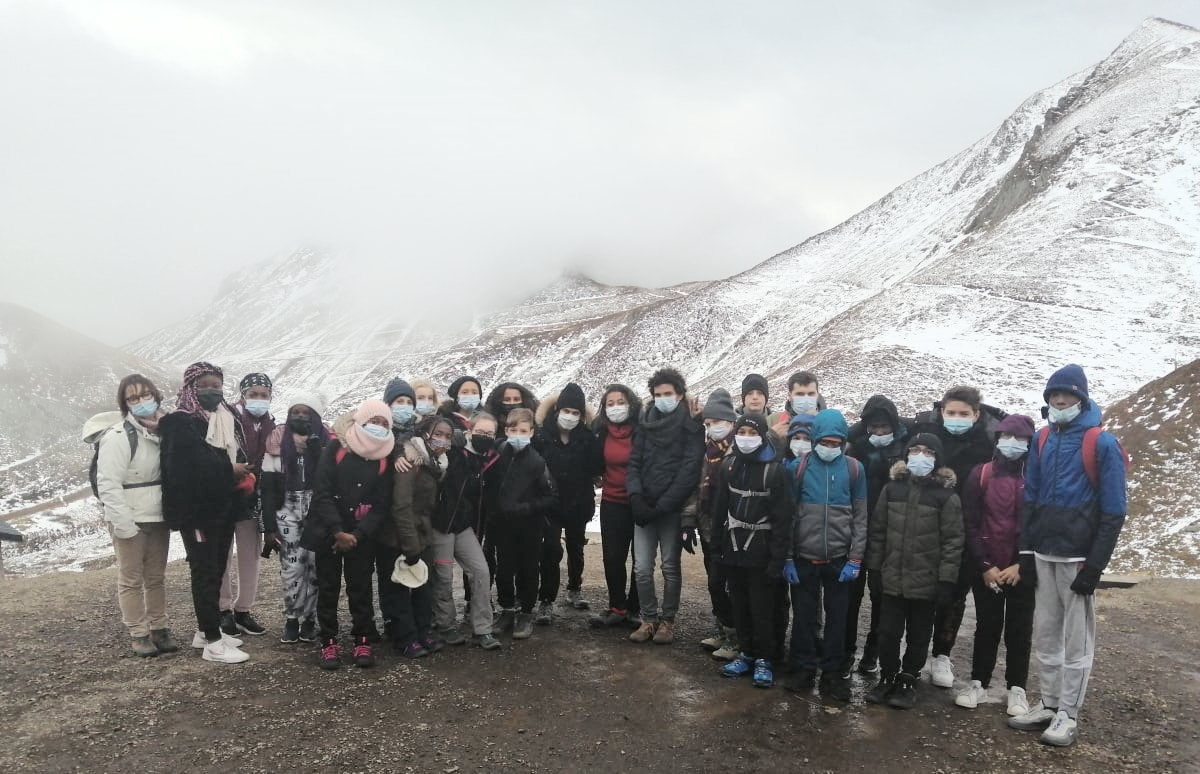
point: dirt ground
(571, 698)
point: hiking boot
(882, 690)
(452, 636)
(199, 641)
(246, 624)
(143, 647)
(164, 640)
(941, 672)
(739, 667)
(504, 621)
(969, 697)
(727, 652)
(1062, 732)
(523, 626)
(433, 644)
(1038, 718)
(764, 676)
(545, 613)
(488, 642)
(1018, 703)
(228, 623)
(835, 687)
(610, 617)
(801, 681)
(308, 630)
(869, 663)
(413, 650)
(644, 633)
(904, 695)
(575, 598)
(291, 631)
(715, 641)
(362, 653)
(222, 652)
(665, 633)
(331, 655)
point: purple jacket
(992, 518)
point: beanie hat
(1018, 425)
(371, 408)
(720, 406)
(1069, 378)
(757, 422)
(801, 423)
(755, 382)
(314, 400)
(249, 381)
(397, 387)
(571, 397)
(457, 384)
(928, 440)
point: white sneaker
(1018, 704)
(941, 672)
(199, 641)
(224, 653)
(1062, 732)
(1036, 719)
(970, 696)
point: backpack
(131, 434)
(1091, 463)
(853, 466)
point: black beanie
(755, 382)
(459, 382)
(571, 397)
(397, 387)
(930, 441)
(755, 421)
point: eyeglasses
(140, 398)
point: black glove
(412, 560)
(945, 594)
(1085, 582)
(1028, 564)
(689, 540)
(643, 514)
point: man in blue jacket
(1073, 514)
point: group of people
(797, 513)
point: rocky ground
(571, 698)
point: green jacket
(414, 499)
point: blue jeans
(664, 533)
(806, 600)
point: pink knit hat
(369, 409)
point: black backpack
(131, 434)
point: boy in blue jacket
(1074, 511)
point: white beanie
(314, 400)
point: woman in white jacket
(129, 485)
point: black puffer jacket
(339, 489)
(518, 486)
(197, 477)
(461, 504)
(572, 465)
(963, 452)
(767, 544)
(668, 455)
(878, 460)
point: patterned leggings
(297, 566)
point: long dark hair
(287, 447)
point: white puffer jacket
(130, 489)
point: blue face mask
(957, 425)
(666, 405)
(920, 465)
(804, 404)
(144, 410)
(1012, 448)
(1063, 416)
(880, 441)
(403, 414)
(257, 407)
(378, 432)
(468, 402)
(827, 454)
(425, 407)
(518, 442)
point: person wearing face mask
(402, 399)
(915, 543)
(566, 442)
(829, 539)
(804, 399)
(129, 486)
(1075, 477)
(464, 398)
(351, 505)
(506, 397)
(718, 416)
(752, 526)
(289, 470)
(614, 427)
(877, 440)
(992, 502)
(203, 469)
(427, 399)
(458, 521)
(664, 470)
(966, 427)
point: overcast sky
(148, 148)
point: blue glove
(850, 570)
(789, 573)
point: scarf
(255, 432)
(224, 432)
(357, 440)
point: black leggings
(616, 540)
(1008, 614)
(356, 565)
(207, 552)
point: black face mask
(507, 407)
(210, 397)
(300, 425)
(482, 444)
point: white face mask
(719, 431)
(1063, 416)
(617, 414)
(666, 405)
(800, 447)
(880, 441)
(1012, 448)
(378, 432)
(804, 404)
(748, 443)
(425, 407)
(827, 454)
(568, 421)
(920, 465)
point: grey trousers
(1064, 636)
(664, 533)
(463, 548)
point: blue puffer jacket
(1064, 515)
(831, 504)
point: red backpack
(1091, 462)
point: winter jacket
(752, 511)
(707, 514)
(878, 460)
(830, 519)
(278, 479)
(572, 465)
(668, 452)
(340, 488)
(614, 445)
(916, 536)
(1064, 516)
(129, 481)
(461, 504)
(197, 478)
(414, 501)
(992, 517)
(963, 452)
(518, 486)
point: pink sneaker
(331, 655)
(362, 653)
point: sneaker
(488, 642)
(200, 641)
(504, 621)
(228, 624)
(764, 677)
(576, 600)
(835, 687)
(433, 644)
(739, 667)
(222, 652)
(715, 641)
(143, 647)
(330, 655)
(644, 633)
(164, 640)
(801, 681)
(882, 690)
(941, 672)
(1038, 718)
(291, 631)
(308, 630)
(362, 653)
(246, 624)
(665, 633)
(904, 695)
(1018, 703)
(970, 696)
(414, 650)
(523, 626)
(1062, 732)
(610, 617)
(726, 652)
(869, 663)
(452, 636)
(545, 613)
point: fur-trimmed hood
(943, 476)
(548, 410)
